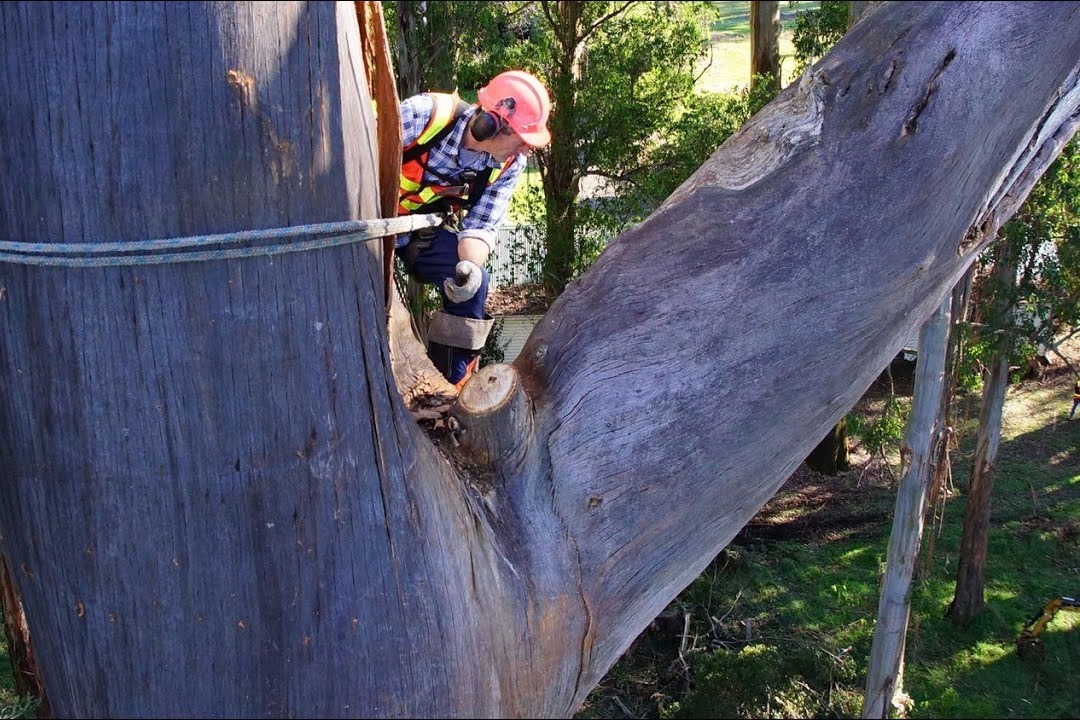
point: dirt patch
(529, 299)
(814, 507)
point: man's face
(505, 145)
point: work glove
(467, 281)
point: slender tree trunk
(884, 679)
(942, 480)
(410, 20)
(831, 455)
(971, 568)
(765, 43)
(560, 168)
(211, 486)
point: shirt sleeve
(483, 219)
(415, 113)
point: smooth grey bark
(856, 9)
(216, 499)
(922, 437)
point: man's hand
(467, 281)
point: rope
(141, 252)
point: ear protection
(485, 125)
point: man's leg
(458, 333)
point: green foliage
(494, 350)
(817, 30)
(885, 430)
(16, 708)
(781, 624)
(12, 705)
(444, 42)
(760, 94)
(888, 429)
(1043, 303)
(703, 123)
(638, 73)
(740, 682)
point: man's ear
(485, 125)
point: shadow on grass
(781, 623)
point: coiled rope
(148, 252)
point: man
(455, 157)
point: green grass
(808, 591)
(727, 69)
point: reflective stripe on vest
(414, 195)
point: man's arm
(472, 249)
(478, 231)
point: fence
(518, 256)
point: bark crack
(589, 636)
(911, 125)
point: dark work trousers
(433, 265)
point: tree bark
(831, 455)
(20, 649)
(213, 462)
(942, 479)
(559, 166)
(925, 427)
(856, 9)
(971, 563)
(765, 42)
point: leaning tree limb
(216, 499)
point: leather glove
(467, 281)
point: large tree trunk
(765, 42)
(925, 428)
(219, 504)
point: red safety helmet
(522, 101)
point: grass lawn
(728, 67)
(781, 624)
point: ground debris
(524, 299)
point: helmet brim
(536, 138)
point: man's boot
(454, 344)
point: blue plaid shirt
(451, 159)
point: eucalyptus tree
(215, 498)
(1029, 297)
(923, 444)
(765, 43)
(620, 74)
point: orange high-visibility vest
(414, 196)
